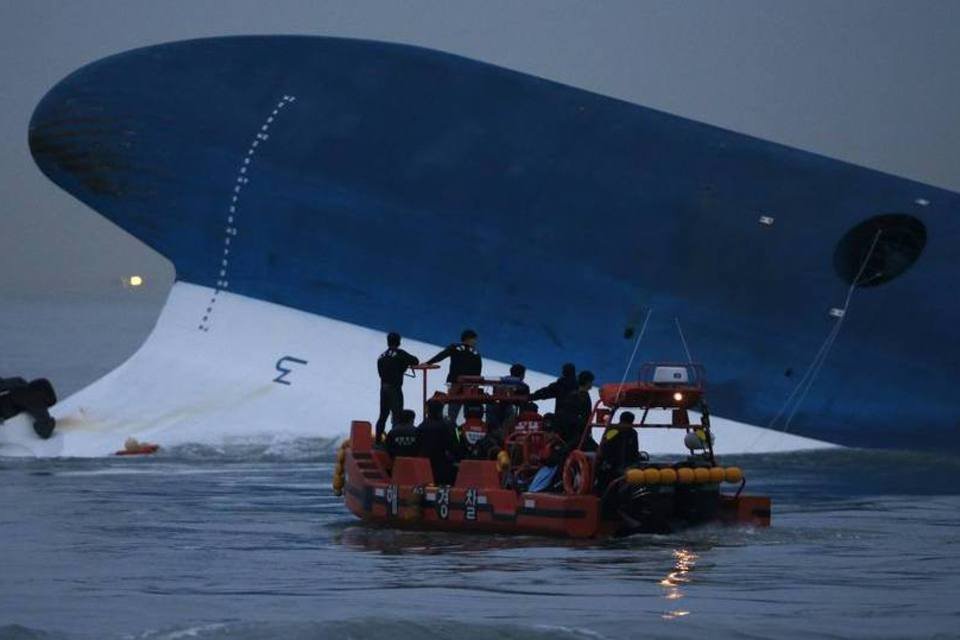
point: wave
(813, 475)
(367, 628)
(19, 632)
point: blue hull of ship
(401, 188)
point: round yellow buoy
(733, 474)
(635, 476)
(651, 476)
(685, 475)
(701, 475)
(716, 474)
(668, 476)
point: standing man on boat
(391, 365)
(558, 389)
(465, 360)
(573, 412)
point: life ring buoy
(577, 474)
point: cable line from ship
(813, 371)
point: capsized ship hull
(368, 182)
(269, 376)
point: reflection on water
(684, 562)
(366, 537)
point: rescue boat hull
(401, 493)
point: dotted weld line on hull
(233, 209)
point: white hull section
(219, 386)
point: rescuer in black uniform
(440, 442)
(558, 389)
(619, 449)
(464, 361)
(391, 366)
(573, 412)
(404, 438)
(513, 384)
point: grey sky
(870, 82)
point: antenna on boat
(633, 355)
(683, 340)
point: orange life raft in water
(133, 447)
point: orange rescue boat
(492, 495)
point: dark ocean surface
(250, 542)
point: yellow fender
(338, 472)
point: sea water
(248, 541)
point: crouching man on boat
(403, 439)
(440, 442)
(619, 450)
(477, 437)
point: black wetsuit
(573, 412)
(556, 389)
(439, 442)
(619, 449)
(403, 440)
(391, 366)
(464, 361)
